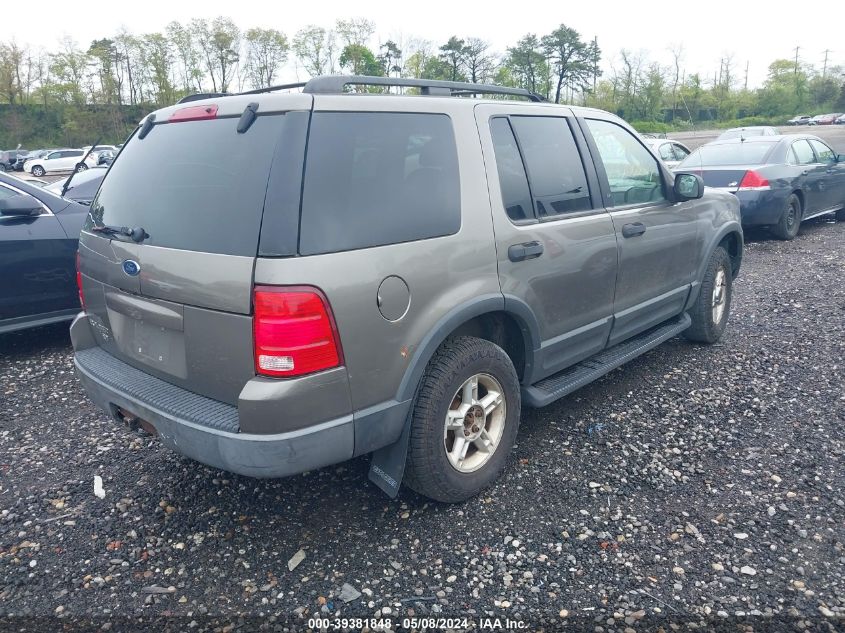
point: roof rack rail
(203, 95)
(335, 84)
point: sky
(720, 29)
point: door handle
(633, 229)
(526, 250)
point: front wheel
(38, 171)
(790, 220)
(713, 305)
(464, 421)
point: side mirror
(688, 187)
(20, 205)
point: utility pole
(796, 60)
(746, 75)
(595, 61)
(824, 68)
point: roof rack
(336, 84)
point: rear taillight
(294, 331)
(752, 181)
(194, 113)
(79, 283)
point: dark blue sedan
(39, 235)
(779, 180)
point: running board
(570, 379)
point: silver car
(670, 152)
(431, 264)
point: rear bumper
(761, 207)
(253, 455)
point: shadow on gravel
(45, 339)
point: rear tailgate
(177, 305)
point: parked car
(39, 232)
(840, 119)
(9, 157)
(22, 158)
(394, 290)
(106, 157)
(670, 152)
(779, 180)
(61, 160)
(825, 119)
(82, 187)
(746, 132)
(801, 119)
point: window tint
(555, 171)
(53, 155)
(680, 152)
(825, 154)
(666, 152)
(71, 153)
(516, 197)
(206, 195)
(632, 172)
(6, 193)
(378, 178)
(803, 153)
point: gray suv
(317, 275)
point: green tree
(159, 57)
(185, 51)
(314, 48)
(390, 58)
(453, 55)
(266, 52)
(357, 59)
(527, 66)
(479, 62)
(569, 58)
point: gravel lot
(695, 485)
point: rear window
(729, 154)
(378, 178)
(195, 185)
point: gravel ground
(697, 486)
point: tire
(430, 470)
(790, 220)
(708, 321)
(81, 167)
(38, 171)
(2, 167)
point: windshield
(728, 154)
(194, 185)
(743, 133)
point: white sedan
(670, 152)
(59, 160)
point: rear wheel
(464, 420)
(81, 167)
(38, 171)
(712, 308)
(790, 220)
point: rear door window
(516, 197)
(680, 152)
(193, 185)
(555, 171)
(666, 152)
(803, 153)
(376, 178)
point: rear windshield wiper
(137, 234)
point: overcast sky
(757, 34)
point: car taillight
(79, 283)
(752, 181)
(294, 331)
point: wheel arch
(729, 235)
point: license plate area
(153, 345)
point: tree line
(215, 55)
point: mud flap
(387, 465)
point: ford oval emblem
(131, 267)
